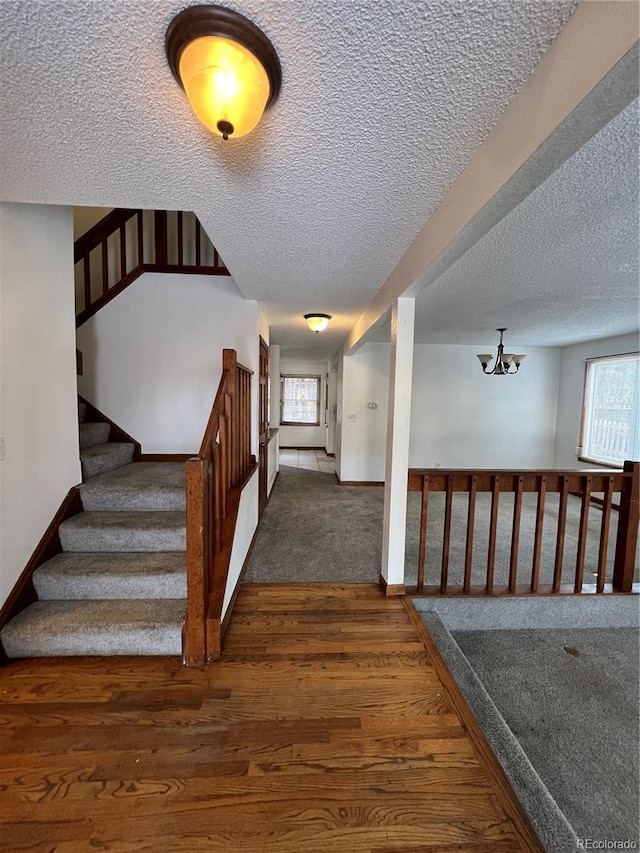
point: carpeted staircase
(119, 585)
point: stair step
(137, 627)
(105, 457)
(124, 531)
(82, 412)
(75, 576)
(140, 486)
(93, 434)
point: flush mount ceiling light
(226, 65)
(505, 361)
(317, 322)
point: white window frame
(318, 401)
(586, 450)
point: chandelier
(506, 362)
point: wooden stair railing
(542, 484)
(215, 479)
(126, 243)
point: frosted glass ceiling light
(504, 360)
(317, 322)
(226, 65)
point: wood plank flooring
(325, 727)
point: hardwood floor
(325, 727)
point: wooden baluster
(216, 259)
(197, 224)
(224, 474)
(515, 534)
(582, 533)
(229, 366)
(217, 514)
(422, 547)
(140, 231)
(105, 267)
(160, 221)
(471, 514)
(493, 527)
(446, 537)
(628, 519)
(180, 241)
(604, 534)
(537, 541)
(123, 252)
(197, 590)
(562, 524)
(87, 281)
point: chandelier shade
(506, 363)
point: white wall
(245, 528)
(274, 379)
(365, 379)
(273, 462)
(38, 402)
(303, 436)
(153, 356)
(572, 371)
(86, 217)
(461, 418)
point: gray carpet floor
(571, 699)
(314, 530)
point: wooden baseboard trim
(359, 482)
(23, 593)
(496, 775)
(166, 457)
(391, 589)
(94, 415)
(290, 447)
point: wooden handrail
(540, 483)
(214, 482)
(110, 256)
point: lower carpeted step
(112, 575)
(124, 531)
(138, 627)
(93, 434)
(141, 486)
(105, 457)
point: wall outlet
(351, 419)
(372, 405)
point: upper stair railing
(527, 493)
(215, 479)
(126, 243)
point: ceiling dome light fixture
(504, 360)
(226, 65)
(317, 322)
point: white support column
(397, 459)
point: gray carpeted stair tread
(140, 486)
(92, 434)
(96, 575)
(136, 627)
(124, 531)
(105, 457)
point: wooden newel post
(628, 520)
(160, 224)
(193, 639)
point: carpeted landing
(119, 585)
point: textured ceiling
(562, 267)
(383, 103)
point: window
(300, 401)
(611, 411)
